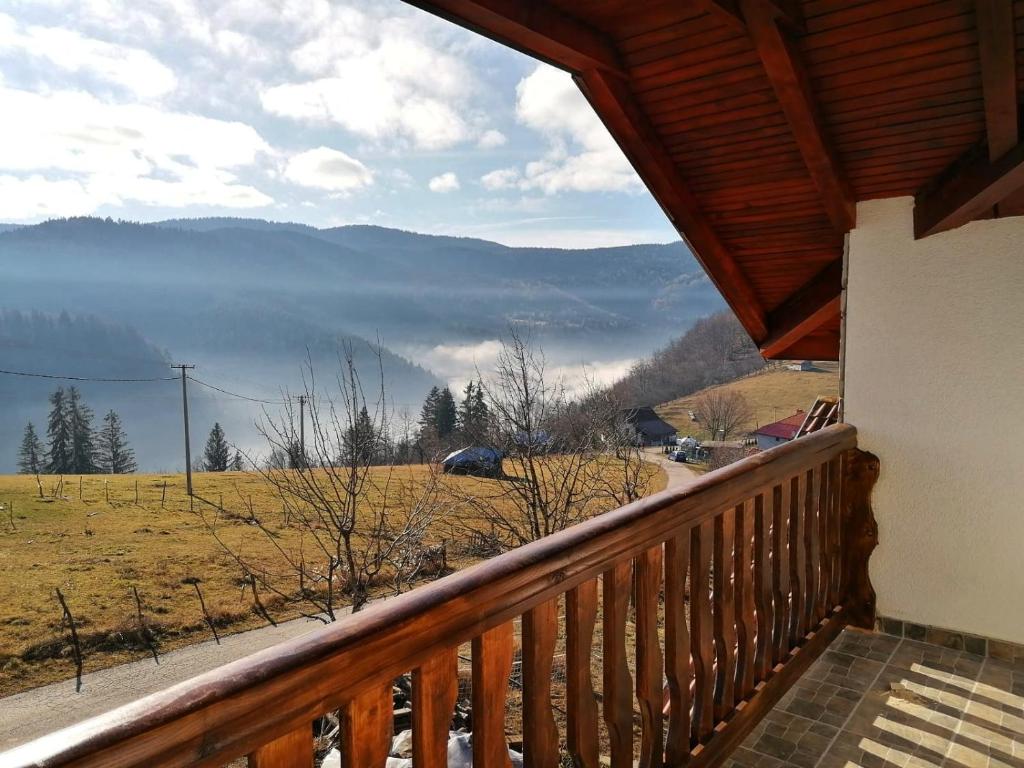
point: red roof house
(781, 431)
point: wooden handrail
(271, 696)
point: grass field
(96, 543)
(773, 395)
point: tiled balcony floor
(878, 701)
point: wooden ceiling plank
(807, 310)
(792, 87)
(535, 28)
(614, 103)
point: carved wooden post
(859, 537)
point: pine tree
(236, 463)
(58, 435)
(83, 449)
(447, 414)
(361, 440)
(428, 414)
(30, 455)
(217, 454)
(473, 413)
(114, 456)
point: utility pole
(302, 429)
(184, 405)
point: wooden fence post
(859, 537)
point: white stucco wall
(935, 386)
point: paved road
(679, 475)
(34, 713)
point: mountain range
(251, 301)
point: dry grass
(97, 550)
(772, 396)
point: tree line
(73, 445)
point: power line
(85, 378)
(235, 394)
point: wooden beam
(818, 345)
(536, 28)
(996, 48)
(792, 88)
(617, 108)
(968, 190)
(813, 304)
(729, 11)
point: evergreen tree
(114, 456)
(83, 449)
(58, 435)
(217, 455)
(473, 414)
(31, 460)
(428, 414)
(447, 414)
(361, 441)
(236, 463)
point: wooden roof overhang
(758, 125)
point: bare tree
(723, 413)
(557, 463)
(357, 524)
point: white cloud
(491, 139)
(36, 197)
(130, 68)
(446, 182)
(326, 168)
(382, 78)
(582, 156)
(118, 154)
(503, 178)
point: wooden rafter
(969, 190)
(792, 88)
(807, 310)
(996, 46)
(616, 106)
(535, 28)
(730, 12)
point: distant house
(779, 432)
(803, 365)
(650, 428)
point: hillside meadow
(94, 541)
(773, 394)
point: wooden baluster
(581, 720)
(835, 486)
(367, 724)
(677, 650)
(540, 734)
(723, 597)
(618, 697)
(824, 524)
(859, 537)
(492, 663)
(701, 636)
(763, 585)
(798, 559)
(811, 533)
(293, 750)
(780, 570)
(650, 692)
(435, 688)
(744, 586)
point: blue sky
(326, 113)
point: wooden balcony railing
(737, 583)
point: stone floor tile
(866, 645)
(821, 702)
(955, 665)
(790, 738)
(844, 670)
(854, 750)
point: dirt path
(679, 475)
(34, 713)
